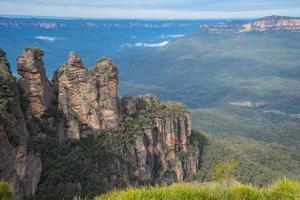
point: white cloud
(161, 44)
(152, 45)
(46, 38)
(73, 10)
(172, 36)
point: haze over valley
(91, 105)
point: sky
(151, 9)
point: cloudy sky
(171, 9)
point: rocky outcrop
(273, 23)
(77, 97)
(34, 80)
(87, 98)
(162, 150)
(106, 75)
(260, 25)
(17, 166)
(134, 141)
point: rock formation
(87, 98)
(143, 140)
(259, 25)
(77, 96)
(34, 80)
(161, 148)
(106, 75)
(17, 166)
(272, 23)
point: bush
(224, 171)
(5, 192)
(284, 190)
(244, 192)
(281, 190)
(12, 134)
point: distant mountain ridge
(38, 23)
(273, 22)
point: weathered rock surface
(150, 139)
(77, 96)
(106, 75)
(272, 23)
(17, 166)
(34, 80)
(87, 98)
(161, 152)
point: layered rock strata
(162, 150)
(34, 80)
(87, 98)
(106, 75)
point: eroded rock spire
(77, 96)
(106, 75)
(34, 80)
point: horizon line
(129, 18)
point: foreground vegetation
(280, 190)
(225, 187)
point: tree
(224, 171)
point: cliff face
(77, 97)
(106, 76)
(259, 25)
(87, 98)
(161, 151)
(17, 166)
(34, 80)
(79, 117)
(273, 23)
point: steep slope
(17, 166)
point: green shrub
(12, 134)
(13, 137)
(244, 192)
(281, 190)
(224, 171)
(284, 190)
(5, 192)
(181, 191)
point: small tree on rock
(224, 172)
